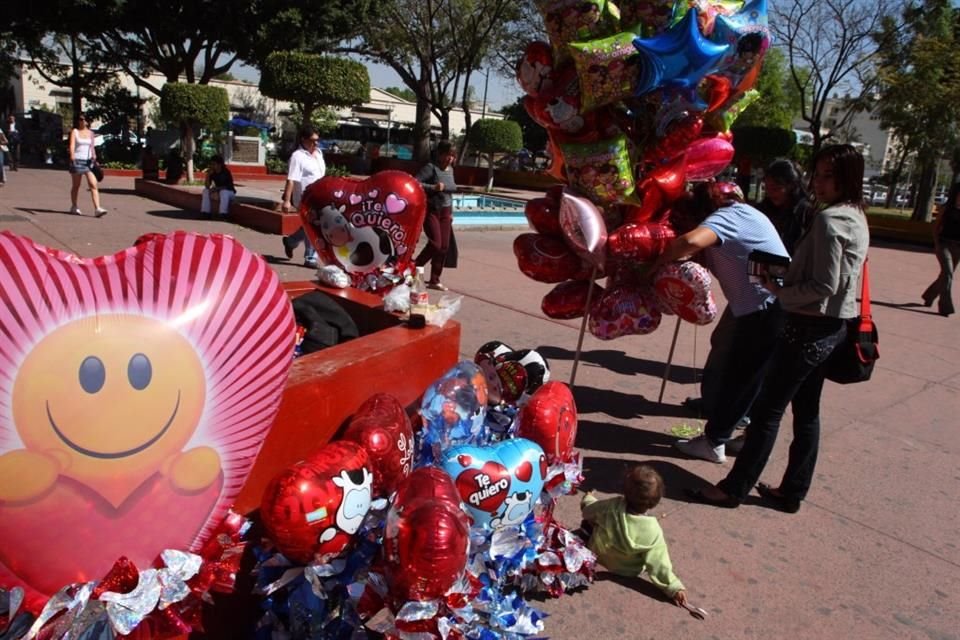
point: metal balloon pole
(583, 326)
(666, 371)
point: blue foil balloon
(746, 33)
(454, 408)
(499, 484)
(678, 57)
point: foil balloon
(600, 170)
(567, 21)
(583, 228)
(684, 288)
(607, 68)
(381, 426)
(543, 214)
(426, 537)
(498, 484)
(313, 509)
(510, 374)
(707, 157)
(549, 418)
(454, 406)
(623, 310)
(568, 300)
(680, 56)
(640, 242)
(546, 258)
(368, 227)
(137, 391)
(646, 17)
(534, 72)
(671, 179)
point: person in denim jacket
(819, 293)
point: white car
(878, 197)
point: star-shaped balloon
(709, 10)
(678, 57)
(746, 31)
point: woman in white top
(82, 157)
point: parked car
(940, 200)
(879, 197)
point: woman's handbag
(97, 171)
(853, 359)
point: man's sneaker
(700, 447)
(311, 264)
(735, 445)
(287, 248)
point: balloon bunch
(637, 98)
(440, 532)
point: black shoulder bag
(853, 359)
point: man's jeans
(299, 237)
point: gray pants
(948, 255)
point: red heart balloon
(382, 427)
(138, 389)
(535, 70)
(549, 418)
(547, 258)
(642, 243)
(425, 542)
(624, 310)
(543, 214)
(568, 299)
(314, 508)
(684, 288)
(365, 227)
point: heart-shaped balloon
(568, 299)
(138, 389)
(549, 418)
(543, 214)
(640, 242)
(684, 288)
(707, 157)
(499, 484)
(535, 69)
(426, 537)
(382, 428)
(583, 228)
(548, 259)
(624, 310)
(366, 227)
(313, 509)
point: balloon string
(583, 326)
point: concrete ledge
(885, 228)
(246, 214)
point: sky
(500, 91)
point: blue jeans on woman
(795, 377)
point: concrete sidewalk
(873, 552)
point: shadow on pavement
(177, 214)
(117, 191)
(599, 436)
(635, 584)
(64, 212)
(620, 362)
(623, 405)
(915, 307)
(606, 475)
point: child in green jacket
(628, 542)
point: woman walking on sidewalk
(437, 180)
(946, 245)
(82, 157)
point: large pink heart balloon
(137, 389)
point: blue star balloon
(678, 57)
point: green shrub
(208, 106)
(496, 136)
(277, 165)
(337, 170)
(312, 80)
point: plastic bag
(446, 308)
(333, 276)
(398, 300)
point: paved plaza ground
(872, 554)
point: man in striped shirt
(727, 232)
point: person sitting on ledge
(219, 182)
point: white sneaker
(75, 211)
(700, 447)
(100, 212)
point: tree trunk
(489, 172)
(308, 109)
(445, 124)
(421, 124)
(188, 146)
(924, 193)
(75, 88)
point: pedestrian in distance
(83, 155)
(14, 138)
(438, 181)
(306, 167)
(946, 246)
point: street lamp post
(486, 83)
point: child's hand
(680, 598)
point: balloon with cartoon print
(454, 407)
(381, 426)
(365, 226)
(313, 508)
(499, 484)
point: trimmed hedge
(210, 106)
(314, 79)
(496, 136)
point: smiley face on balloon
(108, 401)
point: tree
(919, 73)
(830, 48)
(534, 135)
(194, 106)
(495, 136)
(402, 92)
(776, 107)
(434, 46)
(311, 80)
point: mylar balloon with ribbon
(547, 258)
(568, 300)
(543, 214)
(312, 509)
(583, 228)
(138, 389)
(549, 418)
(623, 310)
(381, 426)
(369, 228)
(454, 406)
(426, 537)
(499, 484)
(684, 288)
(640, 242)
(510, 374)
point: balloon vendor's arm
(687, 245)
